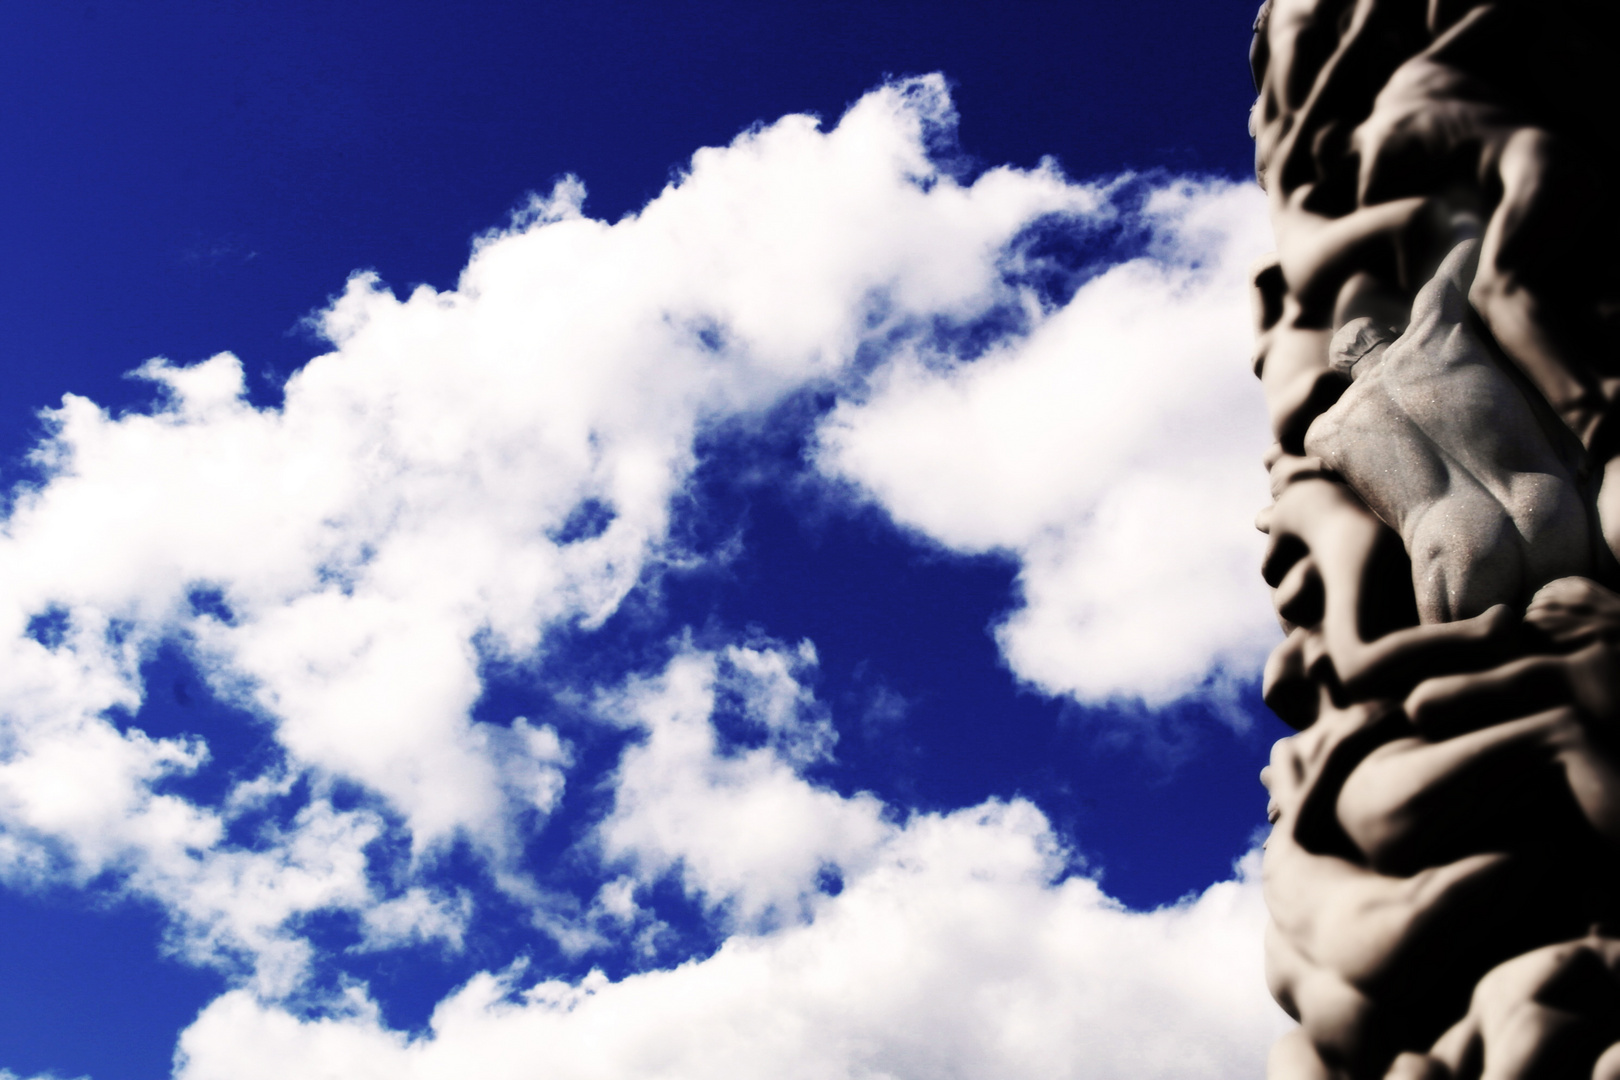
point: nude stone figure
(1440, 442)
(1439, 348)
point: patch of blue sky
(86, 989)
(177, 702)
(888, 610)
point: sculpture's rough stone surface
(1439, 347)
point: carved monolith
(1439, 348)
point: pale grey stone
(1439, 440)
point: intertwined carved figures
(1439, 345)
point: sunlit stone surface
(1437, 344)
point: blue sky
(629, 540)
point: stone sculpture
(1439, 348)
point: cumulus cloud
(951, 957)
(1111, 451)
(465, 470)
(960, 944)
(470, 475)
(742, 827)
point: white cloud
(417, 915)
(959, 946)
(743, 828)
(1115, 452)
(464, 471)
(952, 958)
(468, 471)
